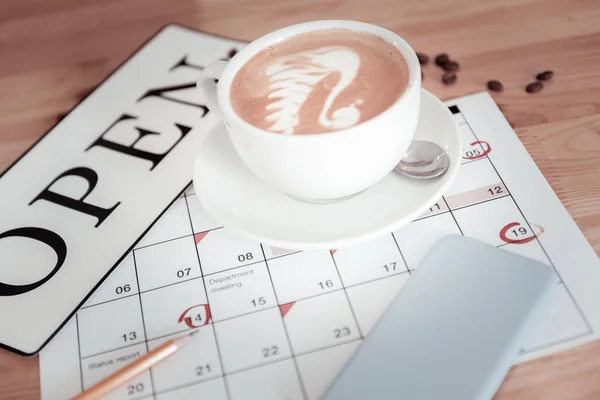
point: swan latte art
(319, 82)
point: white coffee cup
(319, 167)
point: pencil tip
(183, 340)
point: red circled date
(196, 316)
(513, 227)
(476, 153)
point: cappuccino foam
(319, 82)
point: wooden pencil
(142, 364)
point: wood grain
(53, 52)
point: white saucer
(239, 200)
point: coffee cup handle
(207, 85)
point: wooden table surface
(53, 52)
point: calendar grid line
(299, 299)
(239, 371)
(111, 350)
(227, 391)
(347, 297)
(79, 351)
(311, 297)
(287, 335)
(207, 230)
(581, 314)
(176, 238)
(517, 243)
(453, 217)
(250, 312)
(476, 203)
(187, 188)
(172, 284)
(449, 210)
(143, 397)
(176, 333)
(233, 268)
(110, 301)
(327, 347)
(185, 385)
(210, 230)
(236, 267)
(401, 255)
(471, 161)
(143, 320)
(166, 286)
(430, 215)
(558, 342)
(459, 208)
(161, 242)
(506, 244)
(283, 255)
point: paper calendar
(280, 323)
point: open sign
(86, 193)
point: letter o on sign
(45, 236)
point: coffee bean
(442, 59)
(534, 87)
(495, 85)
(452, 66)
(544, 76)
(423, 58)
(232, 53)
(449, 78)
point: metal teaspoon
(423, 160)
